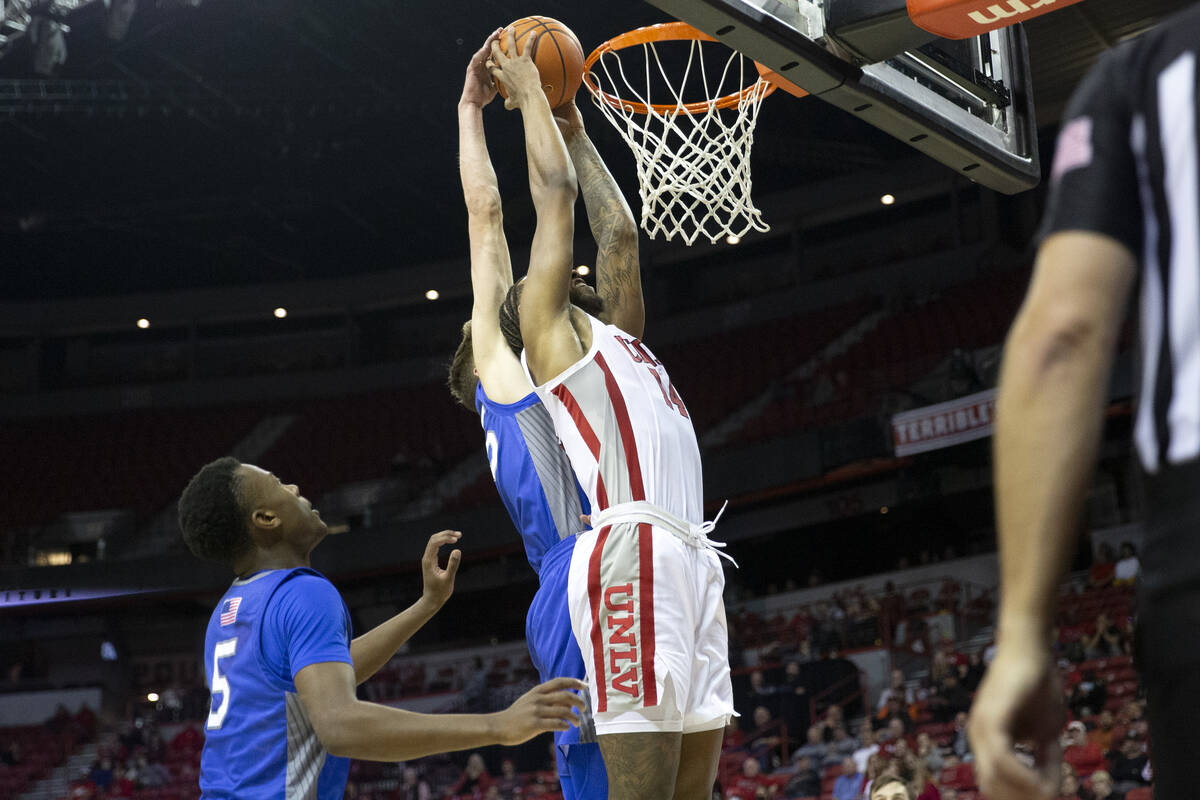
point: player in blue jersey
(281, 663)
(532, 474)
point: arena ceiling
(231, 142)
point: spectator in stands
(1084, 756)
(750, 783)
(970, 671)
(1128, 763)
(793, 697)
(763, 742)
(960, 745)
(1104, 641)
(950, 700)
(1102, 734)
(1069, 787)
(474, 778)
(1089, 695)
(815, 748)
(509, 782)
(841, 746)
(1100, 574)
(896, 687)
(867, 747)
(805, 781)
(923, 785)
(11, 755)
(102, 773)
(849, 783)
(949, 793)
(152, 774)
(834, 718)
(895, 711)
(1101, 784)
(733, 735)
(955, 773)
(928, 753)
(1127, 567)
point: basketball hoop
(693, 158)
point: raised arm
(551, 344)
(375, 647)
(491, 269)
(618, 271)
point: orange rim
(663, 32)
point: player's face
(584, 296)
(297, 518)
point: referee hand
(1020, 703)
(547, 707)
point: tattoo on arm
(618, 273)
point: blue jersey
(539, 489)
(259, 743)
(532, 473)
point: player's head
(229, 508)
(582, 295)
(463, 378)
(890, 787)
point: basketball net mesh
(693, 166)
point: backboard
(966, 103)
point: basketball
(556, 52)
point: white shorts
(648, 614)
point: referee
(1124, 209)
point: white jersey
(626, 431)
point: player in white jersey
(645, 583)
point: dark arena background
(238, 228)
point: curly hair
(211, 514)
(462, 379)
(510, 318)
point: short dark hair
(211, 514)
(510, 318)
(888, 780)
(462, 380)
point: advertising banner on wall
(963, 419)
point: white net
(693, 159)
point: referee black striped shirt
(1128, 166)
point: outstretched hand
(478, 89)
(546, 707)
(1019, 702)
(439, 583)
(568, 118)
(517, 72)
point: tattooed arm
(618, 273)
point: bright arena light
(280, 312)
(432, 294)
(733, 238)
(152, 697)
(888, 199)
(143, 323)
(583, 269)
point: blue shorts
(555, 654)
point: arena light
(152, 697)
(883, 509)
(888, 199)
(583, 269)
(280, 312)
(143, 323)
(432, 294)
(733, 238)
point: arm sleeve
(1094, 182)
(310, 624)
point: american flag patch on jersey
(229, 610)
(1074, 147)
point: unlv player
(645, 583)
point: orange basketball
(556, 52)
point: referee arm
(1049, 418)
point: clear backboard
(965, 102)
